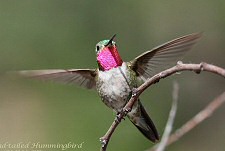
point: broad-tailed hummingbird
(114, 78)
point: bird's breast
(115, 85)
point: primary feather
(155, 60)
(81, 77)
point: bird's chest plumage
(115, 85)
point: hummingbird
(114, 79)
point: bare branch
(162, 145)
(197, 68)
(197, 119)
(105, 139)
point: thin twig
(197, 68)
(105, 139)
(162, 145)
(201, 116)
(197, 119)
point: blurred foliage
(43, 34)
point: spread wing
(153, 61)
(81, 77)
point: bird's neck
(109, 58)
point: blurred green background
(46, 34)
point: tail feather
(144, 123)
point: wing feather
(153, 61)
(80, 77)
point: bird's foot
(134, 92)
(126, 110)
(118, 117)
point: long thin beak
(110, 41)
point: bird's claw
(134, 92)
(118, 117)
(127, 110)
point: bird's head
(107, 55)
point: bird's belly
(114, 89)
(114, 94)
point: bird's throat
(109, 58)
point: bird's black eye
(97, 48)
